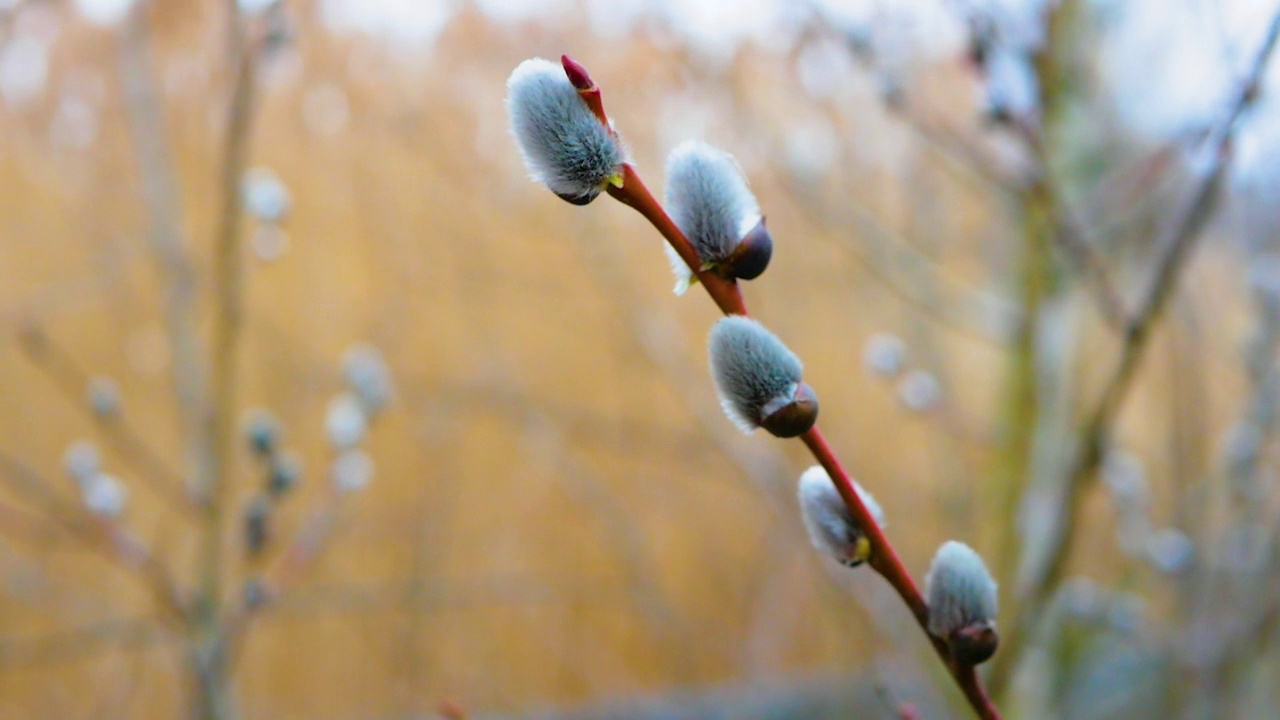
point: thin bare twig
(300, 556)
(215, 488)
(1177, 245)
(161, 192)
(73, 381)
(61, 646)
(913, 276)
(106, 537)
(24, 526)
(1072, 238)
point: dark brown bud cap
(974, 644)
(578, 199)
(791, 418)
(750, 258)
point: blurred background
(314, 406)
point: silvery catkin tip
(962, 603)
(758, 379)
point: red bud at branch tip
(577, 74)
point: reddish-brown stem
(634, 194)
(884, 559)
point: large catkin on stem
(564, 145)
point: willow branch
(72, 381)
(162, 196)
(103, 536)
(884, 558)
(215, 487)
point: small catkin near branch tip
(832, 530)
(962, 603)
(758, 379)
(564, 144)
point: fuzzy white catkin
(345, 422)
(82, 461)
(708, 199)
(831, 527)
(352, 470)
(751, 367)
(564, 145)
(103, 495)
(959, 589)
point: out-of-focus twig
(909, 273)
(161, 192)
(300, 556)
(217, 430)
(1175, 246)
(1069, 232)
(24, 526)
(622, 531)
(104, 536)
(62, 646)
(71, 379)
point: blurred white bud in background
(269, 242)
(82, 461)
(352, 470)
(884, 355)
(1170, 550)
(103, 495)
(345, 423)
(368, 377)
(265, 195)
(1126, 479)
(920, 391)
(104, 396)
(254, 7)
(262, 430)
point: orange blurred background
(559, 514)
